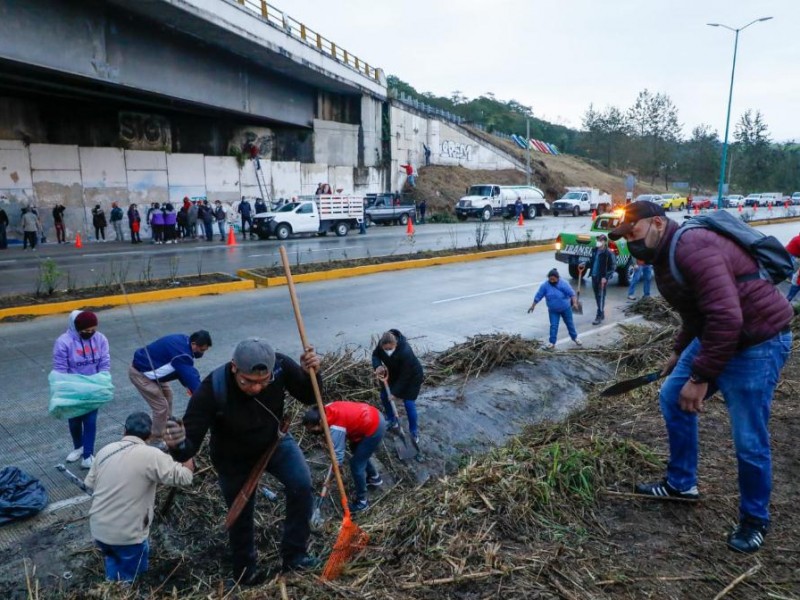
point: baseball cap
(636, 211)
(254, 354)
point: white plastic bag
(73, 395)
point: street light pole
(730, 99)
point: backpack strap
(219, 383)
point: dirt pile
(545, 515)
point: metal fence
(425, 108)
(308, 36)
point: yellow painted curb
(55, 308)
(395, 266)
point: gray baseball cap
(254, 354)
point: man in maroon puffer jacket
(734, 338)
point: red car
(702, 202)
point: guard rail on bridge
(308, 36)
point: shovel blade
(404, 450)
(578, 310)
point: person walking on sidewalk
(242, 403)
(643, 272)
(82, 350)
(116, 222)
(561, 299)
(167, 359)
(3, 228)
(99, 223)
(363, 426)
(124, 478)
(394, 359)
(30, 229)
(134, 223)
(58, 222)
(601, 267)
(735, 337)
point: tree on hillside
(699, 158)
(755, 152)
(608, 132)
(654, 121)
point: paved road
(96, 262)
(436, 307)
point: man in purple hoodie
(84, 351)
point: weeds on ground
(48, 278)
(481, 233)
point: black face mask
(553, 282)
(639, 249)
(197, 354)
(86, 335)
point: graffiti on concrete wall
(456, 150)
(143, 131)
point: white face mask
(390, 352)
(600, 244)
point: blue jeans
(642, 271)
(83, 430)
(747, 385)
(208, 227)
(124, 563)
(555, 319)
(411, 412)
(793, 289)
(289, 466)
(221, 226)
(361, 464)
(600, 296)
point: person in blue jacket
(167, 359)
(561, 298)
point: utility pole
(528, 140)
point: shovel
(316, 517)
(578, 310)
(405, 451)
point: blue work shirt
(558, 296)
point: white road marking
(497, 291)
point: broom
(352, 539)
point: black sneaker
(359, 506)
(374, 481)
(301, 562)
(663, 489)
(747, 537)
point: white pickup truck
(579, 200)
(311, 214)
(487, 200)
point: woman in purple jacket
(82, 350)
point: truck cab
(577, 201)
(483, 201)
(575, 249)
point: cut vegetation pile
(548, 515)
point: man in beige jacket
(124, 476)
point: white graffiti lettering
(456, 150)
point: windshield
(480, 190)
(572, 196)
(606, 223)
(288, 207)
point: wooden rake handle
(317, 394)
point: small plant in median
(49, 276)
(481, 233)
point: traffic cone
(521, 220)
(78, 243)
(594, 215)
(769, 208)
(696, 210)
(740, 208)
(231, 237)
(410, 227)
(755, 207)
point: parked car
(752, 200)
(734, 200)
(649, 198)
(796, 198)
(672, 202)
(771, 199)
(700, 202)
(388, 208)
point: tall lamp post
(730, 98)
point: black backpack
(774, 262)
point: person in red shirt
(410, 176)
(364, 427)
(793, 248)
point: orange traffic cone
(594, 215)
(410, 227)
(769, 208)
(78, 243)
(231, 237)
(521, 220)
(755, 207)
(696, 210)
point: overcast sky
(558, 56)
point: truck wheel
(341, 228)
(681, 207)
(626, 273)
(532, 212)
(576, 212)
(573, 271)
(486, 214)
(555, 213)
(461, 217)
(283, 231)
(404, 219)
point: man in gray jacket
(124, 476)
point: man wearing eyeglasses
(242, 403)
